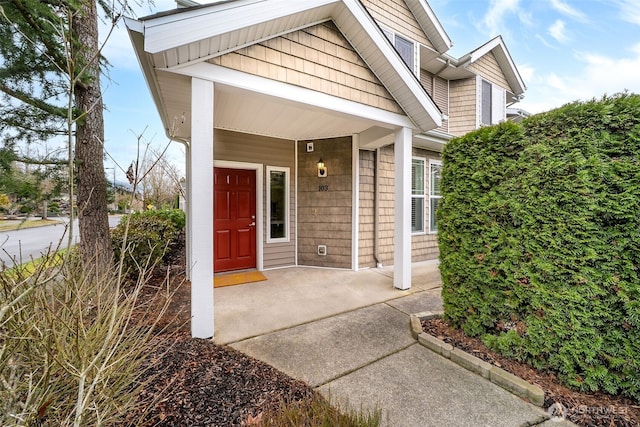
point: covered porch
(201, 86)
(337, 117)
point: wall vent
(322, 250)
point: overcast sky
(565, 50)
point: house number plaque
(323, 188)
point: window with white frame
(435, 173)
(492, 105)
(406, 48)
(278, 204)
(417, 195)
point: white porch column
(200, 208)
(402, 231)
(355, 210)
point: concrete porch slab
(297, 295)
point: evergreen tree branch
(37, 103)
(51, 49)
(42, 162)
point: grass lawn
(16, 224)
(27, 269)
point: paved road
(23, 245)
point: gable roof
(500, 51)
(451, 68)
(173, 40)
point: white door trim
(259, 168)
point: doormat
(238, 278)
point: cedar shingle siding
(462, 106)
(386, 208)
(317, 58)
(366, 214)
(488, 68)
(396, 15)
(423, 246)
(325, 214)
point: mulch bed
(196, 382)
(583, 409)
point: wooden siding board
(438, 90)
(366, 212)
(462, 106)
(424, 246)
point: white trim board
(314, 99)
(259, 168)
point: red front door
(234, 226)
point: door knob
(253, 224)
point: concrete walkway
(347, 334)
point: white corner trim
(355, 210)
(295, 201)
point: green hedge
(539, 236)
(150, 237)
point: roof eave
(154, 38)
(424, 113)
(136, 35)
(430, 25)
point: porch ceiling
(247, 111)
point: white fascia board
(137, 40)
(134, 25)
(433, 140)
(262, 85)
(390, 54)
(170, 31)
(430, 24)
(484, 49)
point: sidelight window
(277, 204)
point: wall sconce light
(322, 169)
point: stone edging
(500, 377)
